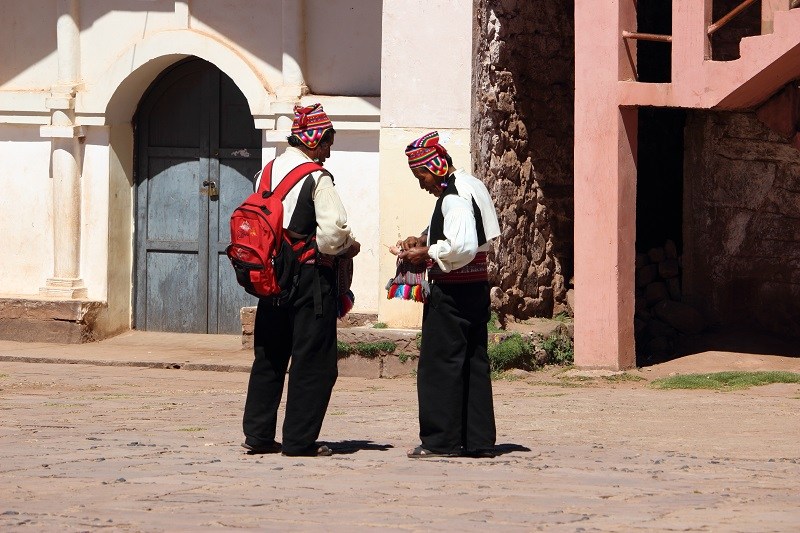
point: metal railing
(649, 36)
(713, 28)
(730, 16)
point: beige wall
(26, 209)
(343, 47)
(27, 50)
(405, 209)
(427, 64)
(425, 85)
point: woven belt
(474, 272)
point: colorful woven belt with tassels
(473, 272)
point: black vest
(304, 217)
(436, 232)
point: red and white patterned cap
(310, 124)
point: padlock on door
(210, 189)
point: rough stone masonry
(522, 148)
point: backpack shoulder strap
(266, 178)
(294, 177)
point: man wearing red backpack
(304, 328)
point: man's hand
(416, 256)
(413, 242)
(354, 249)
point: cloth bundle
(409, 283)
(344, 278)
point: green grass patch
(366, 349)
(511, 352)
(404, 357)
(562, 317)
(725, 380)
(343, 348)
(372, 349)
(418, 340)
(379, 325)
(494, 324)
(560, 350)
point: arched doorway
(197, 151)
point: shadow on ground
(502, 449)
(345, 447)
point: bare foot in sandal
(421, 453)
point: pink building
(740, 175)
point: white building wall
(357, 52)
(27, 45)
(25, 209)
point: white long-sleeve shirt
(334, 236)
(460, 244)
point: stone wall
(741, 260)
(522, 128)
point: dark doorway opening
(653, 58)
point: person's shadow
(502, 449)
(346, 447)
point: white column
(66, 149)
(294, 51)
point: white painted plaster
(343, 46)
(28, 45)
(94, 212)
(122, 50)
(426, 64)
(26, 207)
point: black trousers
(453, 376)
(298, 332)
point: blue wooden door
(197, 154)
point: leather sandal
(273, 447)
(422, 453)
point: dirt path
(136, 449)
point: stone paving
(132, 448)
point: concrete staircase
(766, 63)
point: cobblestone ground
(135, 449)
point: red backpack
(265, 262)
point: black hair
(327, 137)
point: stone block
(57, 321)
(656, 255)
(668, 268)
(356, 366)
(656, 292)
(646, 275)
(248, 317)
(680, 316)
(396, 365)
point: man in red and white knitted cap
(305, 328)
(456, 414)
